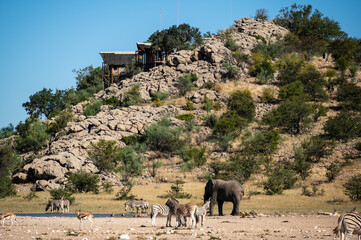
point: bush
(353, 188)
(113, 101)
(194, 157)
(271, 49)
(32, 135)
(131, 160)
(176, 191)
(261, 144)
(210, 120)
(83, 182)
(242, 103)
(160, 96)
(60, 123)
(241, 167)
(343, 126)
(231, 44)
(108, 187)
(261, 14)
(8, 131)
(104, 154)
(160, 137)
(232, 72)
(333, 170)
(349, 94)
(207, 104)
(185, 117)
(281, 178)
(209, 85)
(185, 83)
(132, 96)
(316, 148)
(268, 95)
(189, 106)
(92, 108)
(301, 165)
(9, 160)
(62, 192)
(229, 122)
(294, 89)
(358, 146)
(124, 192)
(7, 188)
(262, 68)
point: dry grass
(289, 201)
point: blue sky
(42, 41)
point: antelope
(85, 216)
(10, 216)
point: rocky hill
(68, 152)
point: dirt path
(228, 227)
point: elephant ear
(210, 184)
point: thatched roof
(118, 58)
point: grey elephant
(220, 191)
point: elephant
(221, 191)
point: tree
(343, 126)
(349, 95)
(353, 187)
(175, 38)
(89, 78)
(242, 103)
(9, 160)
(185, 83)
(342, 51)
(303, 21)
(83, 182)
(261, 14)
(7, 131)
(104, 154)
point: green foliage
(229, 122)
(209, 85)
(104, 155)
(262, 67)
(342, 51)
(240, 57)
(124, 192)
(333, 170)
(343, 126)
(349, 94)
(294, 89)
(193, 157)
(132, 96)
(293, 114)
(301, 20)
(113, 101)
(316, 148)
(189, 106)
(262, 143)
(62, 192)
(7, 131)
(182, 37)
(92, 108)
(160, 96)
(315, 192)
(83, 182)
(132, 139)
(7, 188)
(353, 187)
(210, 120)
(241, 167)
(131, 161)
(161, 137)
(261, 14)
(231, 44)
(185, 83)
(185, 117)
(207, 104)
(242, 103)
(176, 191)
(108, 187)
(268, 95)
(89, 77)
(60, 122)
(282, 177)
(9, 160)
(270, 49)
(32, 135)
(289, 66)
(231, 71)
(320, 111)
(301, 165)
(30, 196)
(153, 169)
(132, 69)
(358, 146)
(313, 82)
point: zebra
(183, 210)
(348, 223)
(65, 204)
(202, 211)
(54, 205)
(138, 204)
(162, 210)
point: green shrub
(231, 44)
(343, 126)
(185, 83)
(176, 191)
(8, 131)
(157, 103)
(316, 148)
(30, 196)
(262, 143)
(207, 104)
(194, 157)
(160, 96)
(293, 114)
(83, 182)
(301, 165)
(161, 137)
(294, 89)
(242, 103)
(132, 96)
(333, 170)
(320, 111)
(124, 192)
(315, 192)
(185, 117)
(9, 160)
(349, 94)
(240, 57)
(131, 161)
(189, 106)
(241, 167)
(223, 140)
(231, 71)
(281, 178)
(210, 120)
(268, 95)
(104, 155)
(229, 122)
(32, 135)
(353, 187)
(262, 68)
(7, 188)
(272, 49)
(261, 14)
(313, 82)
(60, 122)
(209, 85)
(92, 109)
(108, 187)
(113, 101)
(62, 192)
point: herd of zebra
(58, 205)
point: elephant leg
(220, 208)
(213, 202)
(235, 211)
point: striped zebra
(188, 211)
(141, 205)
(348, 223)
(202, 211)
(162, 210)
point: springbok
(85, 216)
(10, 216)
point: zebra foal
(202, 211)
(161, 210)
(348, 223)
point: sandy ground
(272, 226)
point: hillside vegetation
(273, 104)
